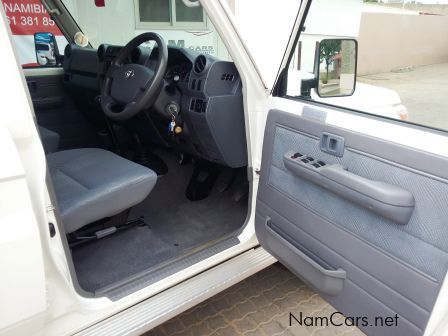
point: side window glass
(399, 49)
(38, 40)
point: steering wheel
(130, 88)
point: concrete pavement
(259, 305)
(423, 90)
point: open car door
(356, 206)
(367, 230)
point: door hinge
(50, 208)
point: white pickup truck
(137, 182)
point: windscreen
(121, 20)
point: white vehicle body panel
(23, 280)
(47, 303)
(22, 184)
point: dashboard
(202, 93)
(178, 73)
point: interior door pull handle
(332, 144)
(387, 200)
(326, 281)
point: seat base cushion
(92, 184)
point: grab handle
(387, 200)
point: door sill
(151, 275)
(146, 315)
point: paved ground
(260, 305)
(423, 90)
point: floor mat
(177, 227)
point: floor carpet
(177, 227)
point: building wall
(388, 42)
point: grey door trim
(429, 163)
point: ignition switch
(172, 109)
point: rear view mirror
(47, 53)
(336, 67)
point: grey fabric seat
(92, 184)
(49, 138)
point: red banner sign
(27, 17)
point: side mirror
(335, 67)
(47, 53)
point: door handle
(325, 280)
(332, 144)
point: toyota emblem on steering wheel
(129, 74)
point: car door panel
(56, 110)
(46, 91)
(390, 266)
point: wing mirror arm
(306, 87)
(311, 83)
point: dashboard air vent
(200, 64)
(227, 77)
